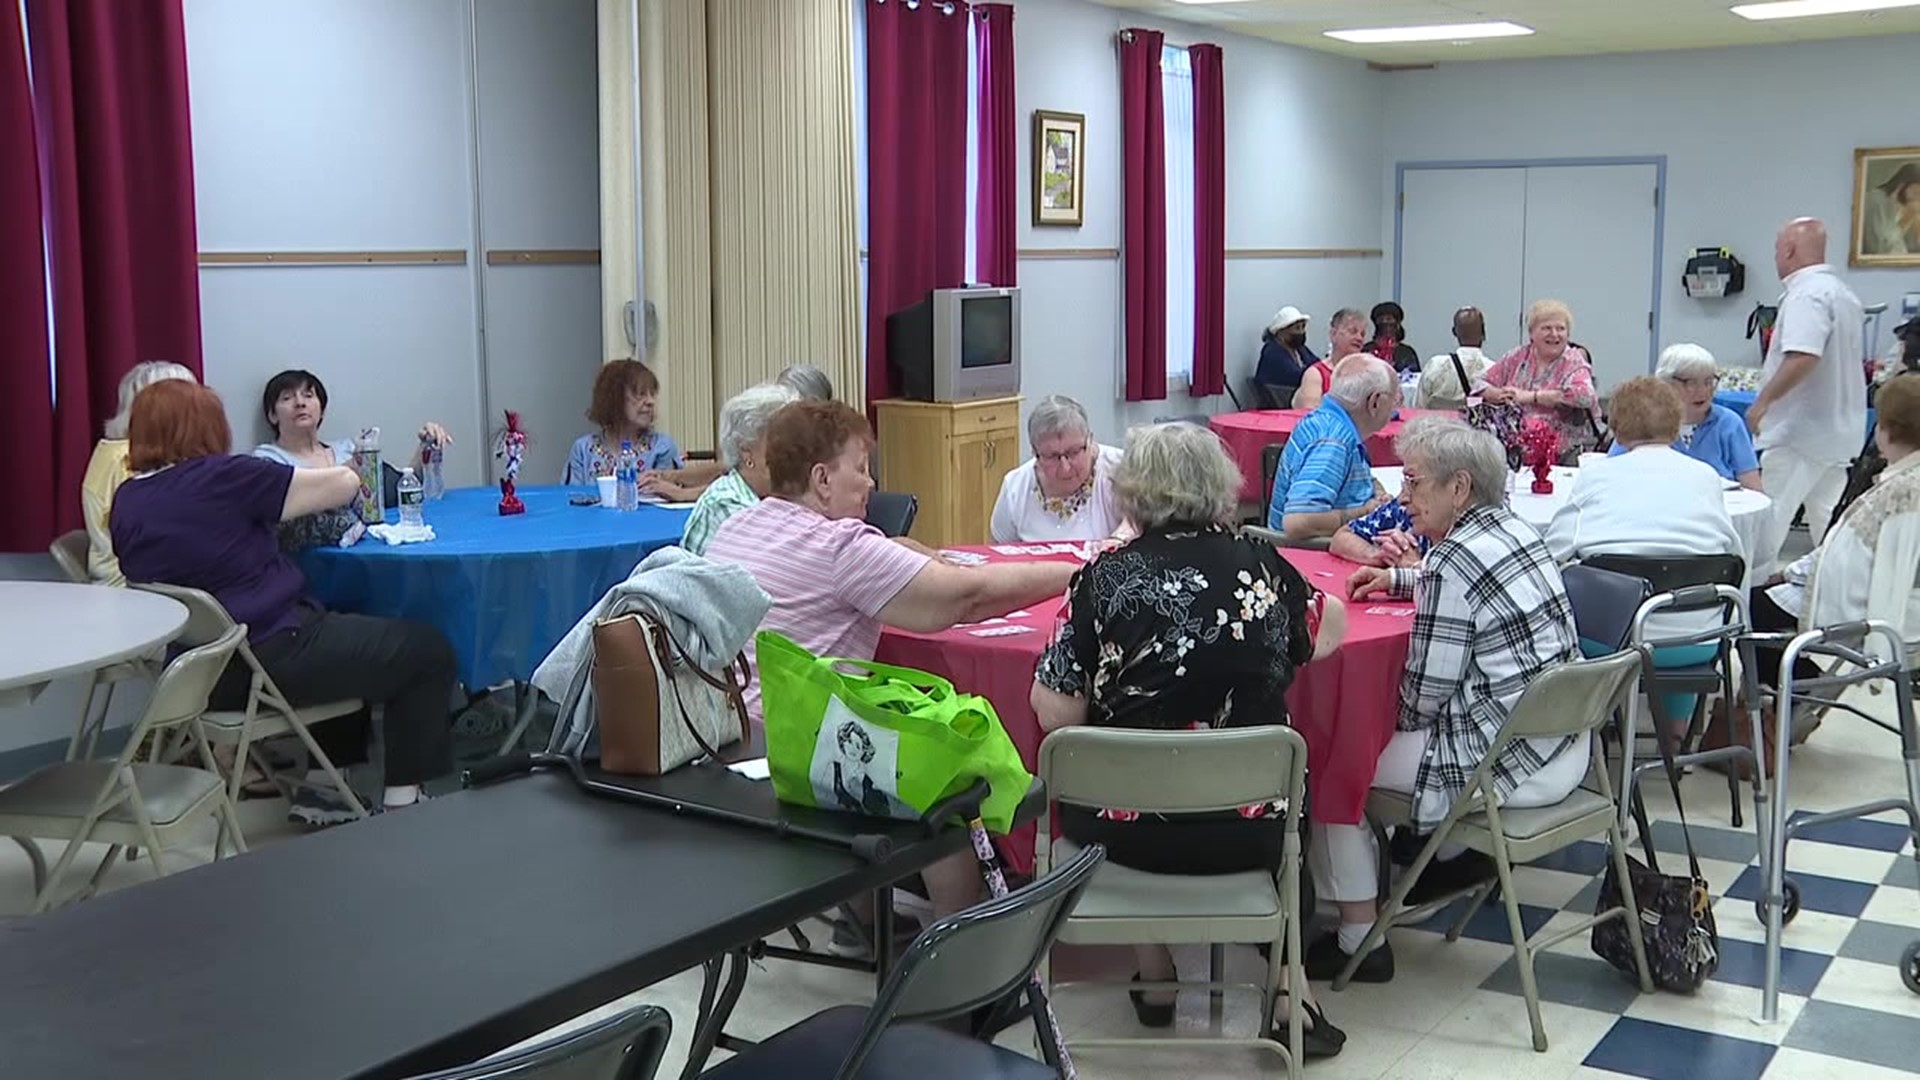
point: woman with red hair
(195, 514)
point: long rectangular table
(416, 940)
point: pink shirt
(828, 577)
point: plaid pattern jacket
(1490, 614)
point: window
(972, 268)
(1177, 114)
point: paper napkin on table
(401, 534)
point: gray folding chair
(122, 803)
(1574, 699)
(1282, 540)
(268, 713)
(69, 552)
(625, 1046)
(1185, 772)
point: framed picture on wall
(1059, 168)
(1886, 206)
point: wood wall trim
(1304, 253)
(333, 258)
(544, 257)
(1069, 253)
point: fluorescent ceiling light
(1800, 9)
(1445, 32)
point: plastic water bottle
(412, 499)
(431, 477)
(627, 478)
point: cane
(1043, 1019)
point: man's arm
(941, 595)
(1352, 547)
(1794, 368)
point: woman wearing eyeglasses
(1711, 433)
(1063, 492)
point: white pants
(1792, 480)
(1345, 859)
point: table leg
(713, 1021)
(882, 936)
(526, 700)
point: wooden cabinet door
(971, 504)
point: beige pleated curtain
(748, 215)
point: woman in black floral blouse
(1188, 626)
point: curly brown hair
(1896, 403)
(617, 379)
(809, 433)
(1645, 410)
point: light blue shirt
(1721, 440)
(592, 457)
(1323, 467)
(342, 453)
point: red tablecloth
(1248, 433)
(1343, 705)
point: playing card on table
(1396, 611)
(1008, 549)
(1001, 631)
(963, 558)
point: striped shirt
(828, 577)
(1324, 466)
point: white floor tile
(1839, 861)
(1901, 907)
(1810, 931)
(1719, 1008)
(1867, 985)
(1493, 1027)
(1791, 1064)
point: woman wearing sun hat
(1284, 357)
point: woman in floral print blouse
(1549, 376)
(1187, 626)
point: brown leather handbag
(655, 708)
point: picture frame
(1886, 207)
(1059, 168)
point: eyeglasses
(1703, 380)
(1410, 483)
(1064, 457)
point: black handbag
(1676, 913)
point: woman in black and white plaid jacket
(1490, 614)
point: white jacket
(1868, 567)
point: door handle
(992, 451)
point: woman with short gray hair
(1490, 615)
(807, 381)
(107, 469)
(1711, 433)
(1065, 490)
(1187, 626)
(743, 436)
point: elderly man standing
(1811, 414)
(1325, 480)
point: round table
(504, 590)
(1344, 705)
(1248, 434)
(54, 629)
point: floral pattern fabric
(1571, 373)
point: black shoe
(1150, 1014)
(1405, 846)
(1469, 870)
(1318, 1037)
(1325, 959)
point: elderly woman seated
(107, 469)
(835, 580)
(1118, 663)
(1065, 490)
(1550, 377)
(1490, 614)
(1711, 433)
(1609, 513)
(743, 449)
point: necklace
(1065, 506)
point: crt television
(957, 345)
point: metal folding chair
(625, 1046)
(69, 552)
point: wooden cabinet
(952, 457)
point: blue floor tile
(1744, 963)
(1582, 982)
(1490, 922)
(1843, 1031)
(1662, 1052)
(1831, 895)
(1587, 858)
(1878, 943)
(1857, 832)
(1903, 873)
(1726, 845)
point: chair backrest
(1604, 602)
(625, 1046)
(1282, 540)
(1269, 468)
(181, 691)
(1572, 699)
(70, 551)
(1683, 583)
(206, 618)
(1670, 573)
(977, 956)
(1174, 772)
(892, 512)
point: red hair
(174, 421)
(616, 380)
(809, 433)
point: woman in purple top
(196, 515)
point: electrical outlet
(1910, 304)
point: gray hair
(1346, 315)
(1176, 474)
(807, 381)
(744, 418)
(1685, 361)
(1358, 377)
(142, 375)
(1057, 414)
(1446, 445)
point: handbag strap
(1460, 370)
(1667, 752)
(739, 676)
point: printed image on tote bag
(855, 765)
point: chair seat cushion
(269, 719)
(1118, 892)
(815, 1047)
(67, 790)
(1393, 807)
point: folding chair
(625, 1046)
(892, 512)
(122, 803)
(69, 551)
(1185, 772)
(957, 965)
(268, 713)
(1575, 699)
(1282, 540)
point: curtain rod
(946, 7)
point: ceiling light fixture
(1387, 35)
(1801, 9)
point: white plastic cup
(1589, 459)
(609, 493)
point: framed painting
(1886, 207)
(1059, 168)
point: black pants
(405, 666)
(1769, 617)
(1192, 844)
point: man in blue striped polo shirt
(1325, 479)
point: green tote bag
(871, 738)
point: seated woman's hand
(432, 432)
(1399, 548)
(659, 483)
(1498, 395)
(1368, 581)
(1547, 398)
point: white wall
(1752, 136)
(1303, 171)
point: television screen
(986, 331)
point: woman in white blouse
(1063, 492)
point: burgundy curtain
(110, 89)
(26, 389)
(916, 164)
(1143, 160)
(1209, 222)
(996, 235)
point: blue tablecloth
(503, 589)
(1739, 400)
